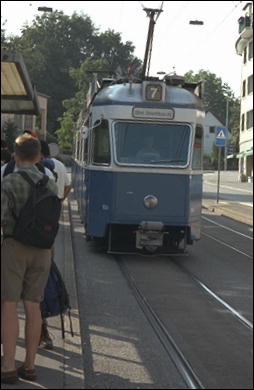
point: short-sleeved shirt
(15, 191)
(63, 179)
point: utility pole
(226, 146)
(151, 13)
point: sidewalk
(62, 367)
(232, 209)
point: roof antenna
(153, 14)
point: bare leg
(32, 332)
(9, 334)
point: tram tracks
(173, 351)
(219, 300)
(181, 362)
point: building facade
(244, 48)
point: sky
(177, 45)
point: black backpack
(37, 224)
(56, 299)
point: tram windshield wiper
(166, 161)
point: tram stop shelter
(18, 95)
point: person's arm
(67, 190)
(67, 184)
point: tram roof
(130, 94)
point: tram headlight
(150, 201)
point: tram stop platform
(62, 367)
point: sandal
(9, 377)
(29, 375)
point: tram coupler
(150, 235)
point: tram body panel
(121, 200)
(114, 193)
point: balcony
(245, 27)
(245, 31)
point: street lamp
(196, 22)
(45, 9)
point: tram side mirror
(102, 123)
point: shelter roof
(18, 95)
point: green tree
(65, 133)
(55, 43)
(216, 96)
(74, 105)
(51, 45)
(11, 132)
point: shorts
(24, 271)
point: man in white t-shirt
(63, 181)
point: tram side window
(101, 147)
(197, 149)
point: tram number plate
(154, 92)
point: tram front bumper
(150, 235)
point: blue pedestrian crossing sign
(221, 136)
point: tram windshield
(152, 144)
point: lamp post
(45, 9)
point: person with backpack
(11, 166)
(30, 211)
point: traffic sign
(221, 136)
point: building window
(250, 84)
(245, 55)
(18, 121)
(244, 88)
(250, 56)
(212, 129)
(28, 125)
(249, 121)
(243, 122)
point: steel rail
(173, 351)
(204, 287)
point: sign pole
(220, 141)
(218, 179)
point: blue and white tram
(138, 165)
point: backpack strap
(41, 182)
(41, 167)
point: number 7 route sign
(221, 136)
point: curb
(72, 345)
(239, 217)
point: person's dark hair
(3, 144)
(27, 147)
(5, 156)
(45, 148)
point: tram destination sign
(153, 113)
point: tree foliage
(216, 96)
(54, 43)
(11, 132)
